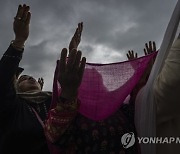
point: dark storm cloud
(128, 24)
(111, 27)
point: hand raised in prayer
(21, 23)
(76, 39)
(71, 73)
(41, 82)
(131, 55)
(149, 48)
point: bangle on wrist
(17, 45)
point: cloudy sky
(111, 28)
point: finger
(128, 56)
(146, 45)
(145, 52)
(19, 12)
(71, 59)
(132, 53)
(25, 13)
(76, 33)
(75, 37)
(77, 61)
(23, 10)
(129, 52)
(62, 62)
(150, 47)
(154, 46)
(81, 27)
(82, 68)
(28, 18)
(136, 55)
(79, 33)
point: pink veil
(105, 86)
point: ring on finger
(17, 18)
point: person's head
(27, 83)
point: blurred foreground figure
(157, 104)
(166, 93)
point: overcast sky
(111, 28)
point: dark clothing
(23, 134)
(21, 131)
(85, 136)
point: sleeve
(167, 86)
(59, 119)
(8, 66)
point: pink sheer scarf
(105, 86)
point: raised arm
(149, 48)
(11, 58)
(167, 86)
(71, 73)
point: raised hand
(76, 39)
(21, 24)
(71, 73)
(149, 48)
(41, 82)
(131, 55)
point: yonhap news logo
(128, 140)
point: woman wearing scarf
(24, 106)
(84, 135)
